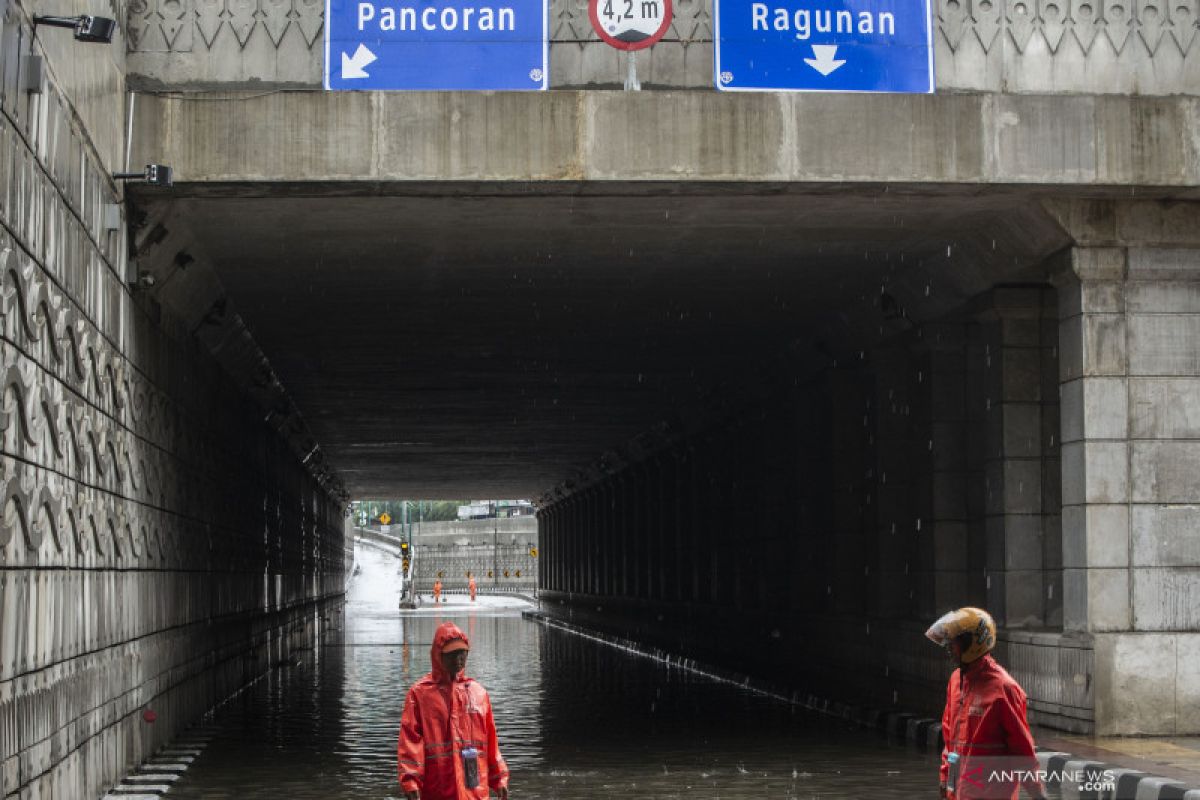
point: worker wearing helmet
(989, 750)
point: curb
(923, 732)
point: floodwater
(577, 719)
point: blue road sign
(436, 44)
(823, 45)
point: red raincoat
(442, 717)
(983, 721)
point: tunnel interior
(497, 341)
(814, 420)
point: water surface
(577, 719)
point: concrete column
(574, 564)
(897, 470)
(853, 531)
(942, 574)
(655, 572)
(588, 566)
(608, 537)
(1014, 505)
(1130, 333)
(1131, 419)
(624, 511)
(638, 556)
(693, 539)
(709, 538)
(548, 549)
(1094, 370)
(675, 550)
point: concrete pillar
(854, 515)
(608, 534)
(1014, 462)
(706, 530)
(674, 544)
(654, 566)
(895, 473)
(639, 501)
(1130, 369)
(693, 541)
(1094, 370)
(624, 536)
(543, 538)
(944, 550)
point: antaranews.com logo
(987, 777)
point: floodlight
(87, 28)
(154, 174)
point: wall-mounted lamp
(154, 174)
(144, 280)
(87, 28)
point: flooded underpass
(577, 718)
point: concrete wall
(1131, 470)
(160, 546)
(512, 530)
(866, 501)
(1032, 453)
(1147, 47)
(451, 550)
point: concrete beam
(956, 139)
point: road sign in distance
(440, 45)
(823, 45)
(385, 518)
(630, 24)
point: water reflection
(577, 719)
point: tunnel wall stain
(811, 539)
(161, 546)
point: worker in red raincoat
(437, 591)
(448, 748)
(989, 750)
(471, 586)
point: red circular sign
(630, 24)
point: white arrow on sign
(824, 58)
(352, 66)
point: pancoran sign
(630, 24)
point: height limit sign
(630, 24)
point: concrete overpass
(925, 351)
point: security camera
(87, 28)
(95, 29)
(154, 174)
(159, 175)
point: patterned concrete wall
(1087, 46)
(160, 546)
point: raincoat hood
(444, 633)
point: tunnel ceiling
(489, 341)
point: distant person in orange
(472, 587)
(448, 747)
(437, 591)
